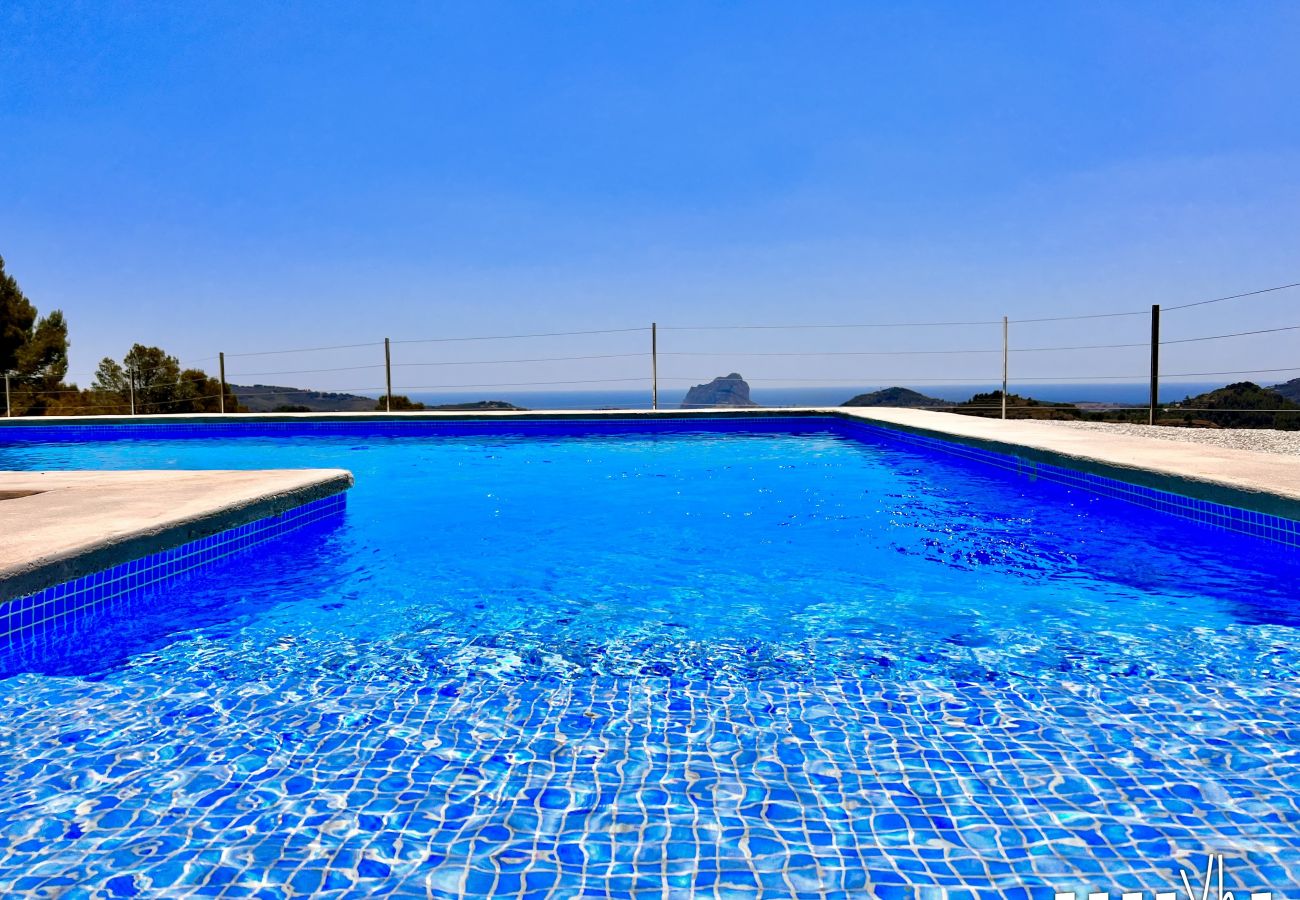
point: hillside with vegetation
(1018, 407)
(277, 398)
(1241, 405)
(403, 403)
(1289, 390)
(896, 396)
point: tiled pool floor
(641, 787)
(664, 665)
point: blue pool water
(673, 664)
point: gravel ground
(1261, 440)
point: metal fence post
(1155, 362)
(654, 365)
(388, 376)
(221, 361)
(9, 411)
(130, 374)
(1004, 367)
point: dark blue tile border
(60, 610)
(782, 422)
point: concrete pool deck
(59, 526)
(1267, 482)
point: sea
(1125, 394)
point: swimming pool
(794, 658)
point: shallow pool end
(59, 527)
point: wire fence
(633, 366)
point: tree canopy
(33, 349)
(150, 380)
(34, 353)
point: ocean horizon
(1128, 393)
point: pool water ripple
(606, 786)
(636, 666)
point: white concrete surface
(1232, 468)
(1256, 440)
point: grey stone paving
(1259, 440)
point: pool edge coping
(38, 572)
(1244, 492)
(1253, 481)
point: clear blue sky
(255, 176)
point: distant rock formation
(726, 390)
(896, 396)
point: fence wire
(669, 355)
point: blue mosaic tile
(639, 816)
(774, 423)
(59, 611)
